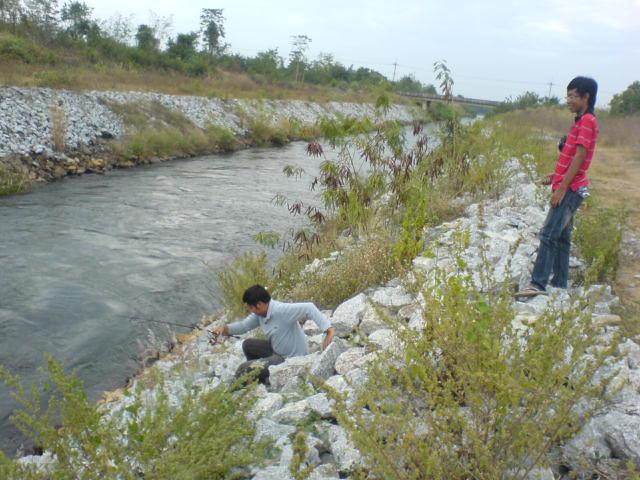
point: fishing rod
(213, 339)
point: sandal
(530, 291)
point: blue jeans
(555, 244)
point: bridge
(428, 98)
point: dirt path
(615, 177)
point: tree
(446, 82)
(266, 63)
(10, 11)
(161, 27)
(184, 46)
(43, 14)
(212, 29)
(77, 17)
(119, 28)
(300, 45)
(627, 102)
(146, 39)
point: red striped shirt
(584, 132)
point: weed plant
(207, 435)
(387, 193)
(243, 272)
(598, 236)
(474, 392)
(13, 180)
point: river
(85, 263)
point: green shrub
(473, 393)
(598, 236)
(222, 138)
(13, 180)
(243, 272)
(54, 79)
(16, 48)
(206, 436)
(370, 263)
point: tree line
(33, 31)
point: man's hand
(558, 196)
(329, 334)
(547, 179)
(221, 330)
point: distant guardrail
(458, 99)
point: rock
(293, 413)
(348, 314)
(324, 365)
(349, 359)
(273, 472)
(346, 455)
(372, 321)
(291, 368)
(385, 339)
(267, 429)
(272, 402)
(320, 404)
(394, 297)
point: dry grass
(108, 77)
(620, 132)
(58, 127)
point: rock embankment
(505, 234)
(60, 132)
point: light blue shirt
(282, 326)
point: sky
(494, 49)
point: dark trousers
(259, 355)
(555, 244)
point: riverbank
(500, 233)
(47, 134)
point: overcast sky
(494, 49)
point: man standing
(281, 323)
(569, 185)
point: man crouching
(280, 322)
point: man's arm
(236, 328)
(574, 168)
(329, 334)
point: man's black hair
(585, 85)
(255, 294)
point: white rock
(321, 405)
(272, 402)
(293, 413)
(349, 359)
(348, 314)
(291, 368)
(346, 455)
(371, 321)
(267, 429)
(324, 365)
(392, 297)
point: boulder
(346, 455)
(349, 359)
(347, 316)
(293, 413)
(290, 369)
(324, 365)
(267, 429)
(372, 321)
(392, 297)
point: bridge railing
(440, 98)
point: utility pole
(551, 84)
(395, 64)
